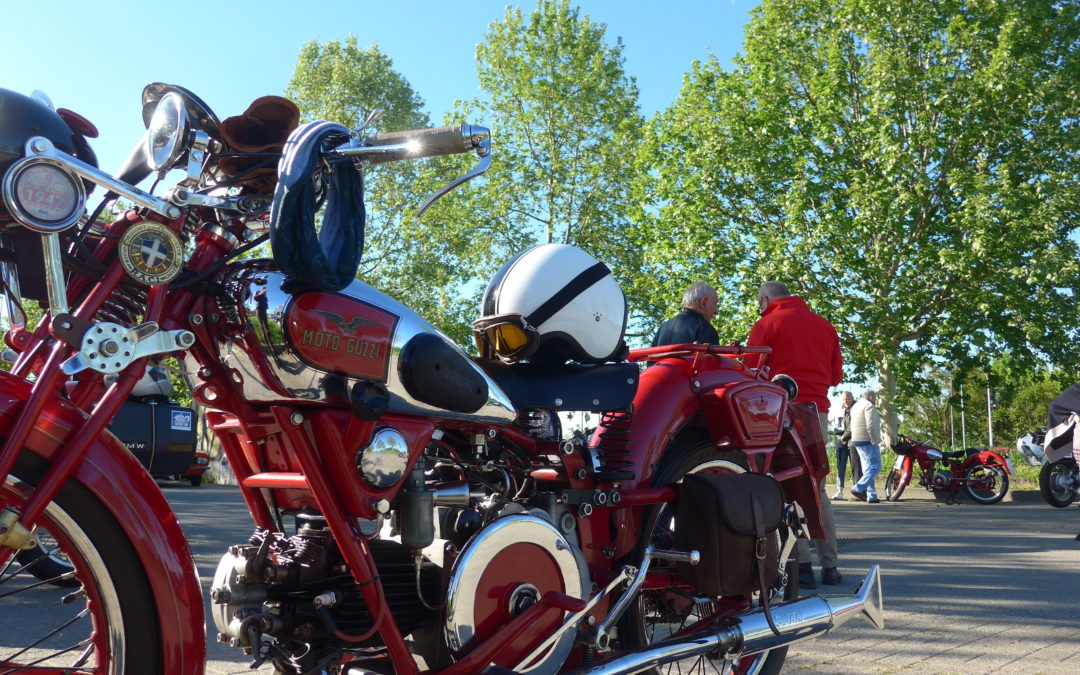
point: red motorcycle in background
(413, 507)
(982, 474)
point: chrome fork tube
(54, 274)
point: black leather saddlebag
(732, 520)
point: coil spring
(125, 306)
(613, 445)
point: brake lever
(483, 151)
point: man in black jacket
(691, 324)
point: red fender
(117, 479)
(669, 396)
(906, 471)
(986, 457)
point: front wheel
(986, 483)
(47, 562)
(1058, 481)
(658, 613)
(109, 623)
(893, 487)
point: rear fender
(670, 399)
(119, 482)
(986, 457)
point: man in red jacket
(806, 347)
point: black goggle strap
(566, 295)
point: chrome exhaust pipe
(749, 633)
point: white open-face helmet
(552, 303)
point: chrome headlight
(43, 195)
(165, 135)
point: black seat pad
(608, 386)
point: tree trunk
(886, 398)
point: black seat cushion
(578, 387)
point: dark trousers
(843, 454)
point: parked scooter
(982, 474)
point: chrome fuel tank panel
(258, 296)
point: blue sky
(95, 57)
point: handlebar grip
(431, 142)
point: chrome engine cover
(515, 556)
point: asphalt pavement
(967, 588)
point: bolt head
(296, 418)
(39, 145)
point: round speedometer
(47, 193)
(43, 195)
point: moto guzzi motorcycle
(982, 474)
(414, 508)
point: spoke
(53, 669)
(45, 637)
(35, 585)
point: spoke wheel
(986, 483)
(893, 488)
(105, 622)
(660, 613)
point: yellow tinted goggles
(506, 336)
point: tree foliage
(565, 123)
(911, 171)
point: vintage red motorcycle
(982, 474)
(414, 508)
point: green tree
(565, 122)
(911, 170)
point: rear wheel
(659, 613)
(893, 487)
(106, 625)
(1057, 482)
(986, 483)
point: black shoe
(806, 576)
(830, 576)
(861, 496)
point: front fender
(119, 482)
(907, 468)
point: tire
(682, 456)
(195, 481)
(113, 610)
(893, 488)
(1056, 482)
(986, 483)
(47, 562)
